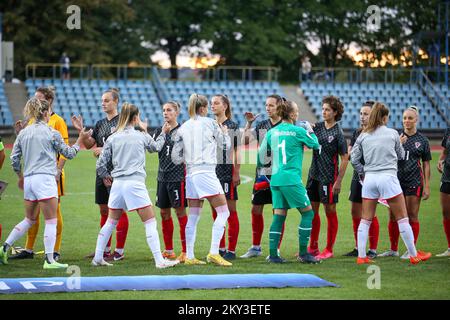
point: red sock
(447, 230)
(233, 230)
(332, 230)
(374, 232)
(257, 228)
(182, 221)
(415, 226)
(222, 241)
(394, 234)
(122, 231)
(356, 222)
(167, 230)
(281, 237)
(103, 218)
(315, 231)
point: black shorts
(171, 195)
(445, 187)
(101, 191)
(412, 191)
(319, 192)
(355, 192)
(230, 190)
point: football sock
(374, 233)
(222, 241)
(103, 236)
(122, 231)
(167, 230)
(151, 232)
(393, 234)
(182, 221)
(257, 228)
(315, 231)
(191, 231)
(218, 228)
(18, 231)
(415, 226)
(446, 223)
(356, 221)
(281, 237)
(59, 228)
(332, 230)
(407, 236)
(233, 231)
(304, 230)
(50, 238)
(103, 219)
(363, 232)
(275, 234)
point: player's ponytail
(128, 112)
(196, 101)
(35, 109)
(379, 111)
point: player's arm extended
(177, 155)
(155, 145)
(399, 147)
(61, 147)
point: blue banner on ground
(170, 282)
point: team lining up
(200, 160)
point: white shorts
(39, 187)
(202, 185)
(380, 186)
(128, 195)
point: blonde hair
(415, 109)
(195, 103)
(35, 109)
(285, 109)
(174, 104)
(128, 112)
(379, 111)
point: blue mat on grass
(169, 282)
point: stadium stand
(396, 96)
(6, 118)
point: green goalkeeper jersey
(286, 141)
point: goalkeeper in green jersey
(286, 142)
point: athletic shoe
(313, 252)
(3, 256)
(166, 263)
(23, 255)
(182, 257)
(55, 265)
(405, 256)
(421, 256)
(252, 252)
(194, 261)
(276, 259)
(326, 254)
(389, 253)
(101, 263)
(444, 254)
(308, 258)
(56, 256)
(353, 253)
(169, 255)
(217, 259)
(372, 254)
(229, 256)
(117, 256)
(222, 252)
(365, 260)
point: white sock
(407, 236)
(363, 234)
(50, 238)
(153, 239)
(103, 237)
(191, 231)
(19, 230)
(119, 251)
(218, 228)
(108, 249)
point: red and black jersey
(446, 145)
(355, 136)
(225, 167)
(417, 148)
(169, 171)
(103, 129)
(325, 161)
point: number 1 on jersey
(282, 145)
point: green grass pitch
(399, 280)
